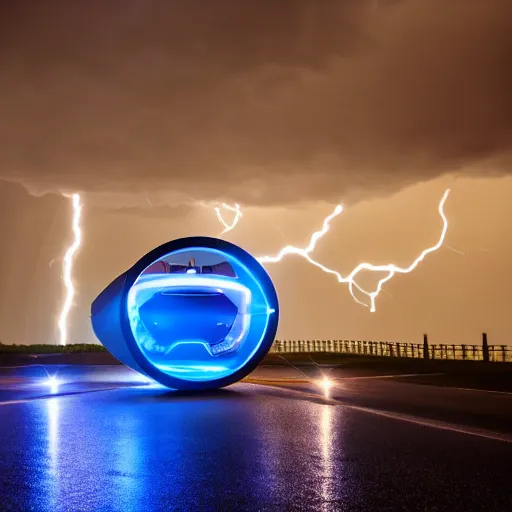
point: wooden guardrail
(483, 352)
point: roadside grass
(51, 349)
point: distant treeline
(51, 349)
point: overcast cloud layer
(259, 102)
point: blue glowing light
(53, 383)
(193, 330)
(167, 311)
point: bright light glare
(326, 384)
(68, 270)
(53, 383)
(238, 215)
(390, 268)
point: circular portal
(198, 313)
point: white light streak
(456, 251)
(390, 269)
(235, 209)
(68, 269)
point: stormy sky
(148, 108)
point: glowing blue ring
(245, 259)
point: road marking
(275, 380)
(18, 366)
(390, 376)
(12, 402)
(439, 425)
(13, 380)
(291, 380)
(484, 391)
(57, 395)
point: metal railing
(484, 352)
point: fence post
(485, 348)
(425, 346)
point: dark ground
(470, 374)
(371, 444)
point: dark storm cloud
(258, 102)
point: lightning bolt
(68, 269)
(290, 249)
(238, 214)
(390, 269)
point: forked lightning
(389, 269)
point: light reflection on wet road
(249, 447)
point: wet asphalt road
(250, 447)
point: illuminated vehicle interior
(196, 318)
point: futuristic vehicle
(195, 313)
